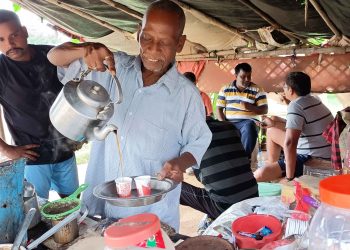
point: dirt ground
(189, 218)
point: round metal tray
(108, 192)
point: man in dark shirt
(224, 171)
(28, 87)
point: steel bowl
(108, 192)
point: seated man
(241, 101)
(224, 171)
(300, 135)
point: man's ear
(25, 32)
(181, 43)
(138, 32)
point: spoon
(24, 228)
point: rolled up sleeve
(196, 135)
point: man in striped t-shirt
(241, 101)
(300, 135)
(224, 171)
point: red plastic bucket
(251, 224)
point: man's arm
(95, 55)
(16, 152)
(290, 150)
(259, 110)
(220, 114)
(274, 121)
(175, 168)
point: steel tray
(108, 192)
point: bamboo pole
(230, 54)
(87, 16)
(326, 19)
(213, 21)
(271, 21)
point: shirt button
(130, 113)
(140, 91)
(122, 138)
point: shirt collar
(169, 79)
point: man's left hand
(246, 106)
(172, 170)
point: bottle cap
(335, 191)
(131, 230)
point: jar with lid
(137, 232)
(330, 226)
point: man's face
(159, 41)
(243, 78)
(13, 40)
(287, 91)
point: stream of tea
(121, 166)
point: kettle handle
(119, 88)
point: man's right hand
(97, 55)
(16, 152)
(267, 123)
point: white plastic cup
(143, 185)
(123, 185)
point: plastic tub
(269, 189)
(251, 224)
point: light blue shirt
(155, 124)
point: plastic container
(251, 224)
(330, 226)
(137, 232)
(269, 189)
(11, 199)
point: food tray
(108, 191)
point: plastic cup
(143, 185)
(123, 185)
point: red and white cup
(143, 185)
(123, 185)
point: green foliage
(75, 40)
(16, 7)
(261, 137)
(316, 41)
(82, 155)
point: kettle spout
(101, 133)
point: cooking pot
(83, 108)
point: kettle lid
(93, 94)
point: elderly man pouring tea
(161, 121)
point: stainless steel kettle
(83, 108)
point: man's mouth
(14, 51)
(152, 60)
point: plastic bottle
(330, 226)
(260, 159)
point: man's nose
(154, 46)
